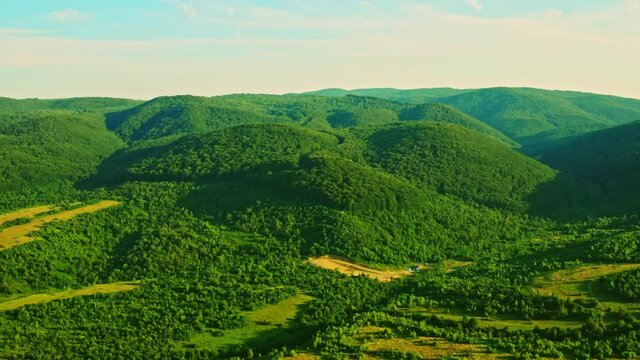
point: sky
(147, 48)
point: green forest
(506, 218)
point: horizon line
(310, 92)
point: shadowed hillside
(605, 166)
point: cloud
(554, 13)
(22, 32)
(475, 4)
(423, 7)
(70, 15)
(188, 10)
(407, 48)
(366, 4)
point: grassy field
(16, 303)
(453, 265)
(19, 234)
(513, 324)
(582, 282)
(374, 340)
(25, 213)
(569, 282)
(269, 325)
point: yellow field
(67, 294)
(19, 234)
(304, 356)
(349, 268)
(425, 347)
(571, 283)
(23, 213)
(453, 265)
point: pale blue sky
(146, 48)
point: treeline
(626, 284)
(595, 340)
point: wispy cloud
(22, 32)
(189, 10)
(366, 4)
(70, 15)
(246, 46)
(554, 13)
(475, 5)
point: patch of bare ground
(349, 268)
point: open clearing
(19, 234)
(513, 324)
(268, 325)
(582, 282)
(574, 282)
(350, 268)
(347, 267)
(374, 340)
(25, 213)
(67, 294)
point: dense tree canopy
(224, 199)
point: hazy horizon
(148, 48)
(307, 91)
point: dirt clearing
(350, 268)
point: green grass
(512, 324)
(274, 323)
(15, 301)
(584, 282)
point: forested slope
(457, 161)
(534, 118)
(376, 193)
(188, 114)
(606, 161)
(221, 201)
(39, 148)
(80, 104)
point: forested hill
(360, 192)
(81, 103)
(444, 158)
(39, 148)
(44, 142)
(607, 161)
(189, 114)
(411, 96)
(534, 118)
(192, 227)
